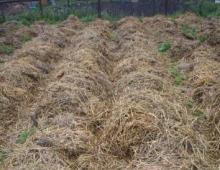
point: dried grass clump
(72, 23)
(189, 19)
(31, 156)
(129, 25)
(64, 97)
(139, 80)
(134, 62)
(20, 73)
(99, 160)
(89, 59)
(45, 52)
(95, 82)
(138, 118)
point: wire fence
(115, 8)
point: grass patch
(202, 38)
(165, 46)
(177, 75)
(141, 19)
(189, 32)
(6, 49)
(25, 38)
(189, 104)
(199, 114)
(88, 18)
(3, 155)
(22, 137)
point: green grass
(6, 49)
(22, 137)
(3, 155)
(165, 46)
(88, 18)
(199, 114)
(189, 104)
(25, 38)
(202, 38)
(204, 8)
(177, 75)
(188, 31)
(141, 19)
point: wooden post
(166, 7)
(99, 10)
(41, 7)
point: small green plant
(3, 155)
(189, 104)
(6, 49)
(165, 46)
(202, 38)
(177, 75)
(88, 18)
(25, 38)
(22, 137)
(2, 62)
(199, 114)
(188, 31)
(141, 19)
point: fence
(117, 7)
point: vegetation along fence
(115, 8)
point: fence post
(166, 7)
(99, 10)
(41, 7)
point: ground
(132, 94)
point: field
(139, 93)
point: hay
(104, 98)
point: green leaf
(22, 137)
(164, 47)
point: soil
(100, 95)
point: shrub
(203, 8)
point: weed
(25, 38)
(2, 62)
(6, 49)
(141, 19)
(177, 75)
(22, 137)
(189, 104)
(3, 155)
(199, 114)
(202, 38)
(188, 31)
(165, 46)
(88, 18)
